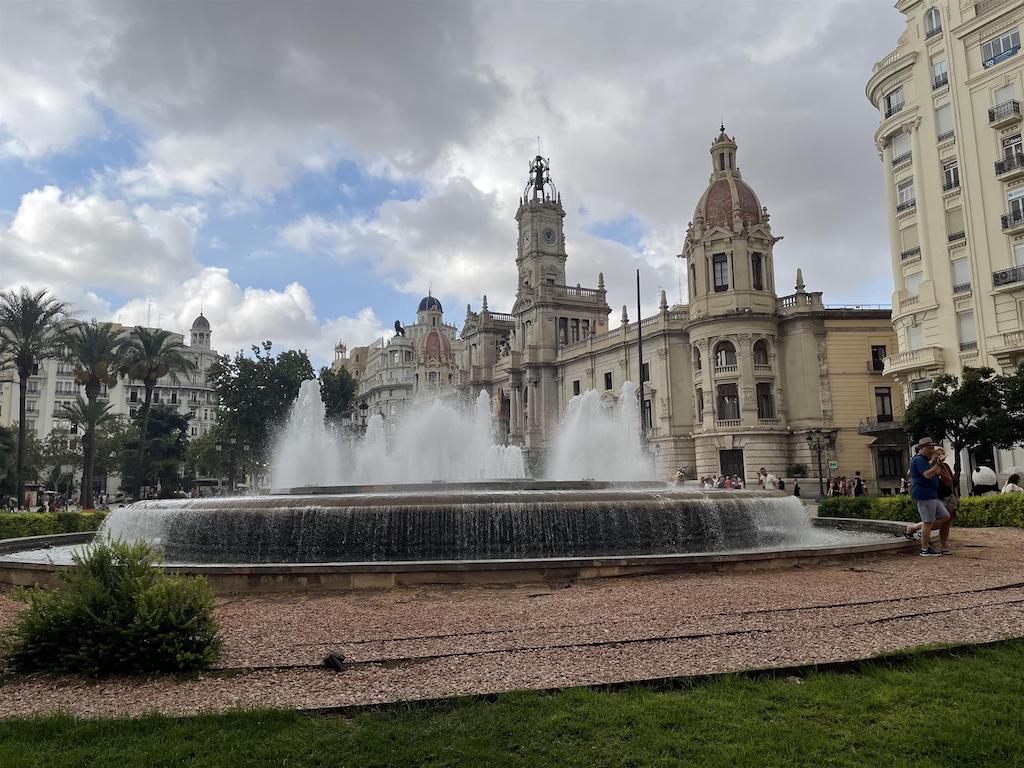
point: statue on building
(399, 330)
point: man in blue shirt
(924, 479)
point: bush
(115, 612)
(16, 524)
(975, 511)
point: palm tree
(32, 326)
(88, 415)
(94, 347)
(148, 355)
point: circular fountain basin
(497, 532)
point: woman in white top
(1013, 484)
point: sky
(305, 172)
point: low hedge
(17, 524)
(975, 511)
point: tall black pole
(640, 354)
(821, 485)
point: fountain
(439, 501)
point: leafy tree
(202, 457)
(338, 390)
(87, 415)
(255, 394)
(58, 450)
(164, 451)
(31, 330)
(148, 355)
(113, 437)
(967, 413)
(95, 348)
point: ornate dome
(434, 346)
(428, 302)
(201, 323)
(726, 191)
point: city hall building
(737, 378)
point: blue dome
(429, 302)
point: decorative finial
(721, 127)
(664, 301)
(484, 305)
(800, 280)
(600, 281)
(625, 317)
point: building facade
(949, 102)
(737, 378)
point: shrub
(16, 524)
(975, 511)
(115, 612)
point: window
(731, 462)
(756, 272)
(890, 464)
(392, 409)
(908, 236)
(905, 193)
(721, 161)
(720, 264)
(932, 22)
(883, 404)
(585, 329)
(955, 223)
(574, 330)
(608, 380)
(920, 387)
(967, 330)
(174, 398)
(893, 102)
(1018, 255)
(760, 352)
(432, 378)
(913, 283)
(944, 122)
(1000, 48)
(576, 387)
(725, 354)
(728, 402)
(915, 337)
(648, 419)
(961, 275)
(696, 359)
(134, 396)
(1004, 94)
(765, 403)
(940, 72)
(645, 372)
(563, 330)
(950, 175)
(1016, 204)
(700, 404)
(900, 148)
(877, 357)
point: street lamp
(819, 441)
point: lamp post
(231, 448)
(819, 441)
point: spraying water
(308, 451)
(600, 442)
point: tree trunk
(23, 374)
(92, 391)
(143, 430)
(957, 448)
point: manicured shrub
(16, 524)
(975, 511)
(116, 612)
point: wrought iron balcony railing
(940, 80)
(906, 205)
(893, 109)
(1000, 111)
(1008, 276)
(900, 159)
(1012, 220)
(910, 253)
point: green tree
(164, 452)
(338, 390)
(31, 330)
(967, 413)
(148, 355)
(95, 349)
(203, 458)
(113, 437)
(58, 454)
(87, 415)
(255, 394)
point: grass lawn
(971, 703)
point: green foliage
(255, 394)
(202, 456)
(338, 390)
(975, 511)
(115, 613)
(164, 452)
(14, 525)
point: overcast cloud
(153, 151)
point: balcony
(933, 32)
(893, 109)
(1008, 276)
(1009, 347)
(910, 253)
(940, 81)
(900, 159)
(875, 425)
(727, 423)
(906, 205)
(945, 136)
(914, 360)
(956, 237)
(726, 370)
(962, 288)
(1012, 223)
(968, 346)
(1010, 168)
(1004, 115)
(949, 186)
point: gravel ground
(406, 644)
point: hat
(925, 441)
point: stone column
(745, 360)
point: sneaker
(929, 553)
(917, 535)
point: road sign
(833, 464)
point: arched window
(696, 359)
(932, 22)
(725, 354)
(760, 352)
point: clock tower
(541, 252)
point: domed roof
(201, 323)
(428, 302)
(434, 346)
(717, 203)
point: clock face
(526, 237)
(549, 236)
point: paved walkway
(435, 642)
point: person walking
(1012, 484)
(858, 484)
(924, 489)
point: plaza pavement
(434, 642)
